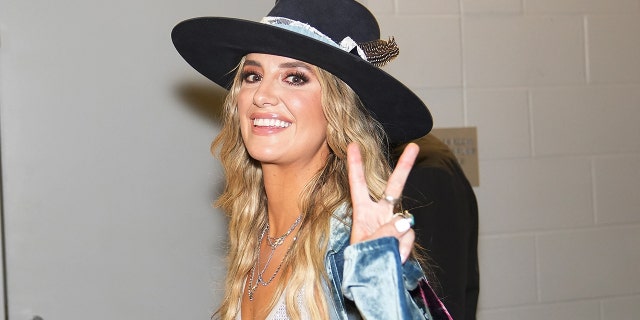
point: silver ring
(391, 200)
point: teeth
(270, 123)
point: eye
(250, 77)
(297, 78)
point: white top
(279, 311)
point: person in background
(446, 221)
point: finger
(357, 181)
(396, 181)
(400, 228)
(406, 244)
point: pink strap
(431, 301)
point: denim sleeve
(373, 278)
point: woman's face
(280, 111)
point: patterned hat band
(377, 52)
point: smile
(270, 123)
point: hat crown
(337, 19)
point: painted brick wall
(553, 87)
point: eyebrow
(284, 65)
(295, 64)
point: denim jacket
(368, 280)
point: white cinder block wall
(553, 87)
(112, 180)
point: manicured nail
(403, 225)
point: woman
(308, 114)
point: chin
(263, 154)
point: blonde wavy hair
(244, 199)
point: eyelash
(303, 78)
(247, 74)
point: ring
(406, 215)
(391, 200)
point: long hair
(244, 198)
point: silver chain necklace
(273, 243)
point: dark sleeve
(446, 213)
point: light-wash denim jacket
(368, 279)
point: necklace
(273, 243)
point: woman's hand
(371, 219)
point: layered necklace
(274, 243)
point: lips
(270, 123)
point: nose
(266, 94)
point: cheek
(311, 105)
(241, 109)
(318, 112)
(244, 100)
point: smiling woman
(278, 89)
(310, 195)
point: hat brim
(214, 46)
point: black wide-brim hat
(311, 31)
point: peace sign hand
(371, 219)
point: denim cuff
(373, 279)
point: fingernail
(402, 225)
